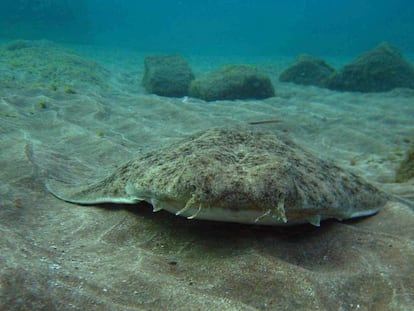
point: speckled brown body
(238, 175)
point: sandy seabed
(59, 256)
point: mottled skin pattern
(238, 175)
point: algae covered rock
(167, 75)
(232, 82)
(308, 70)
(379, 70)
(406, 169)
(43, 63)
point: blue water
(216, 27)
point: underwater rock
(167, 75)
(379, 70)
(308, 70)
(406, 169)
(232, 82)
(46, 64)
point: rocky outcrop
(308, 70)
(379, 70)
(232, 82)
(167, 75)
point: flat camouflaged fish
(234, 175)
